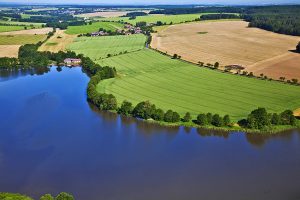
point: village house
(72, 61)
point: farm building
(72, 61)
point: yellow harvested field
(29, 32)
(104, 14)
(9, 51)
(58, 42)
(232, 42)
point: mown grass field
(175, 19)
(98, 47)
(10, 28)
(109, 26)
(21, 39)
(174, 84)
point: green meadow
(175, 19)
(95, 26)
(21, 39)
(99, 47)
(10, 28)
(173, 84)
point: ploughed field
(232, 42)
(99, 47)
(174, 84)
(95, 26)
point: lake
(52, 140)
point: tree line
(219, 16)
(60, 196)
(261, 119)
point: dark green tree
(287, 118)
(202, 120)
(168, 116)
(47, 197)
(209, 118)
(217, 120)
(126, 108)
(258, 119)
(158, 115)
(64, 196)
(275, 119)
(187, 117)
(175, 117)
(298, 48)
(144, 110)
(226, 120)
(216, 65)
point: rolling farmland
(177, 85)
(109, 26)
(173, 84)
(232, 42)
(175, 19)
(98, 47)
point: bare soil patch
(229, 43)
(58, 42)
(30, 32)
(9, 51)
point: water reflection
(7, 74)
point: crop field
(173, 84)
(21, 39)
(10, 28)
(40, 31)
(109, 26)
(175, 19)
(98, 47)
(10, 51)
(232, 42)
(28, 24)
(58, 42)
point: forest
(278, 19)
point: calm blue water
(52, 140)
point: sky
(149, 2)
